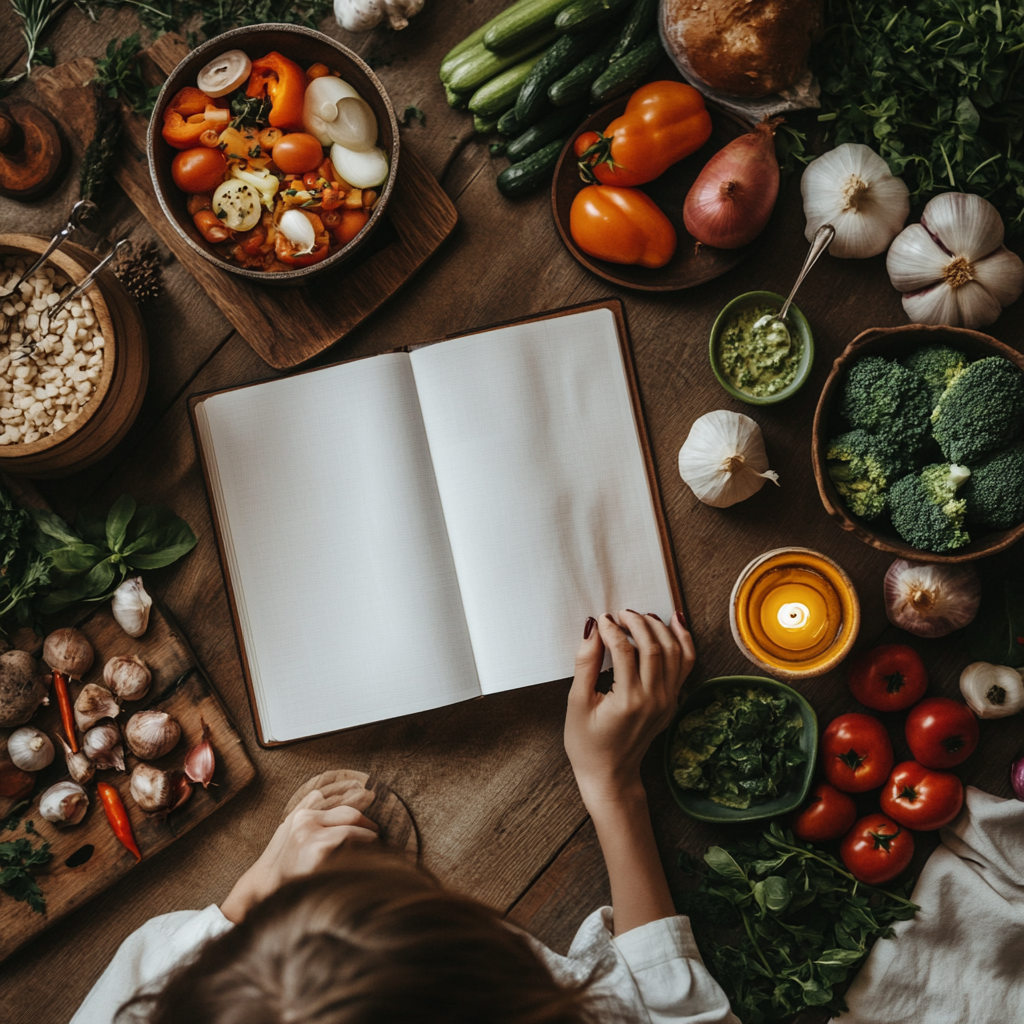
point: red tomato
(941, 732)
(199, 170)
(888, 678)
(621, 225)
(298, 152)
(876, 849)
(828, 815)
(856, 753)
(922, 799)
(349, 225)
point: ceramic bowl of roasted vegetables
(273, 150)
(918, 445)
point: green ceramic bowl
(799, 329)
(694, 803)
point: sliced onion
(224, 73)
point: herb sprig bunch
(118, 75)
(17, 859)
(781, 924)
(35, 16)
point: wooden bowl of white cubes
(70, 388)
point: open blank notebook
(414, 529)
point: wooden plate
(692, 264)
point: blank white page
(544, 488)
(336, 546)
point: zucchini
(497, 95)
(532, 173)
(497, 148)
(479, 65)
(576, 85)
(560, 57)
(641, 19)
(456, 100)
(484, 125)
(554, 126)
(508, 124)
(582, 14)
(471, 40)
(628, 71)
(515, 26)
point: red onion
(1017, 778)
(732, 198)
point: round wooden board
(692, 263)
(379, 803)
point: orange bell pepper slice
(285, 83)
(178, 131)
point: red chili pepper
(67, 714)
(118, 817)
(285, 84)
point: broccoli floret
(982, 411)
(862, 465)
(995, 494)
(938, 366)
(885, 398)
(925, 508)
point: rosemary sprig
(36, 16)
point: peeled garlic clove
(299, 230)
(64, 803)
(199, 761)
(68, 650)
(992, 691)
(30, 749)
(102, 745)
(127, 676)
(360, 168)
(130, 606)
(93, 703)
(151, 734)
(80, 768)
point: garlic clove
(127, 676)
(30, 749)
(130, 606)
(935, 305)
(914, 260)
(965, 224)
(150, 788)
(200, 761)
(102, 745)
(68, 650)
(992, 691)
(151, 734)
(976, 305)
(93, 703)
(64, 803)
(1001, 274)
(80, 768)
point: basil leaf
(53, 526)
(840, 957)
(163, 557)
(723, 863)
(118, 518)
(75, 558)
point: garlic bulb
(852, 188)
(931, 600)
(68, 650)
(80, 768)
(130, 606)
(992, 691)
(953, 268)
(64, 803)
(156, 791)
(127, 676)
(30, 749)
(362, 15)
(102, 745)
(151, 734)
(723, 459)
(93, 703)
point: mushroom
(22, 688)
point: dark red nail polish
(631, 610)
(653, 615)
(681, 619)
(589, 627)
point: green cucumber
(554, 126)
(516, 25)
(582, 14)
(459, 51)
(508, 123)
(496, 149)
(628, 71)
(560, 57)
(484, 125)
(576, 85)
(642, 18)
(532, 173)
(497, 95)
(479, 65)
(456, 100)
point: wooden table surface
(487, 781)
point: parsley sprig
(17, 859)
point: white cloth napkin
(961, 959)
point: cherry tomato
(829, 814)
(888, 678)
(584, 141)
(298, 152)
(621, 225)
(210, 226)
(941, 732)
(311, 179)
(350, 224)
(876, 849)
(199, 170)
(856, 753)
(921, 799)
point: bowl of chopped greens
(918, 445)
(741, 748)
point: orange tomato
(350, 224)
(298, 152)
(199, 170)
(621, 225)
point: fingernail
(589, 627)
(653, 615)
(631, 610)
(681, 619)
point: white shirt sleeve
(145, 956)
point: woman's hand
(607, 734)
(301, 844)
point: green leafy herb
(24, 572)
(119, 76)
(17, 859)
(937, 87)
(36, 16)
(101, 151)
(742, 748)
(781, 924)
(411, 114)
(248, 111)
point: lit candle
(795, 616)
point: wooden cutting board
(87, 858)
(286, 326)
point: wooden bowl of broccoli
(918, 444)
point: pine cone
(138, 269)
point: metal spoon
(81, 211)
(80, 289)
(776, 323)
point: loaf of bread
(749, 48)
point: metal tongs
(81, 211)
(80, 289)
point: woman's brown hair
(374, 940)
